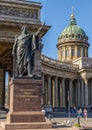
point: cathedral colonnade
(59, 91)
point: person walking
(85, 114)
(78, 116)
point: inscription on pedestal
(27, 96)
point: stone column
(59, 54)
(2, 88)
(86, 53)
(79, 93)
(64, 53)
(56, 91)
(82, 93)
(77, 51)
(43, 91)
(37, 63)
(49, 90)
(86, 92)
(70, 92)
(70, 52)
(63, 92)
(81, 51)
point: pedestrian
(85, 114)
(78, 116)
(43, 111)
(50, 117)
(80, 112)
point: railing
(56, 63)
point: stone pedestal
(25, 106)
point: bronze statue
(24, 49)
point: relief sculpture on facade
(19, 12)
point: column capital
(63, 79)
(56, 77)
(71, 80)
(49, 75)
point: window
(79, 35)
(67, 52)
(72, 35)
(66, 36)
(73, 52)
(79, 52)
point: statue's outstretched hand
(39, 30)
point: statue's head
(24, 29)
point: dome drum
(69, 53)
(72, 42)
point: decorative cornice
(65, 66)
(22, 2)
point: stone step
(27, 126)
(26, 117)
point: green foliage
(78, 125)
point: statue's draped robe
(24, 52)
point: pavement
(63, 118)
(66, 121)
(62, 121)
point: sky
(56, 13)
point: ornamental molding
(17, 12)
(58, 73)
(7, 34)
(69, 43)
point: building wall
(59, 82)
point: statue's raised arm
(39, 30)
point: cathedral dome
(72, 42)
(73, 31)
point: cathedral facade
(70, 75)
(67, 79)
